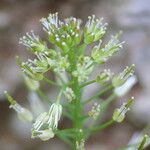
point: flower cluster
(33, 42)
(68, 40)
(47, 122)
(95, 111)
(84, 68)
(63, 34)
(69, 94)
(101, 55)
(94, 30)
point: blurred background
(20, 16)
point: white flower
(40, 128)
(45, 135)
(54, 115)
(46, 123)
(40, 121)
(126, 87)
(119, 113)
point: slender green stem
(98, 94)
(87, 83)
(77, 121)
(103, 126)
(50, 82)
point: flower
(33, 42)
(84, 68)
(95, 111)
(94, 30)
(47, 122)
(50, 23)
(23, 113)
(35, 69)
(45, 135)
(64, 34)
(104, 76)
(54, 115)
(126, 87)
(80, 145)
(40, 128)
(119, 113)
(101, 55)
(120, 79)
(69, 94)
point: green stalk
(87, 83)
(103, 126)
(77, 121)
(50, 82)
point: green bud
(119, 113)
(120, 79)
(94, 30)
(33, 42)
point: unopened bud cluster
(95, 111)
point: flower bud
(33, 42)
(94, 30)
(101, 55)
(119, 113)
(120, 79)
(104, 76)
(69, 94)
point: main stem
(77, 122)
